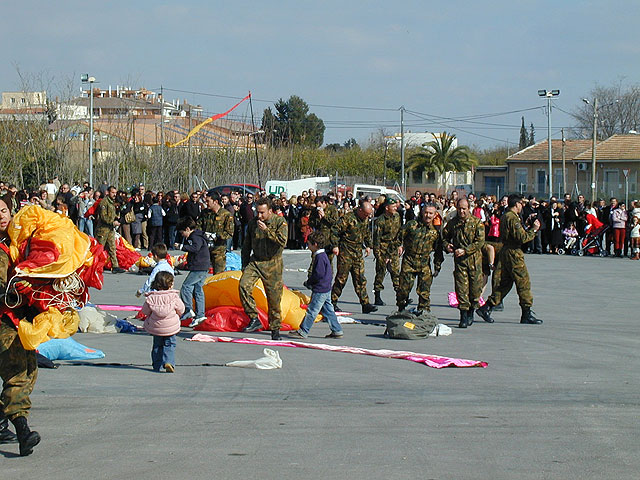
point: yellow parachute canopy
(222, 290)
(64, 247)
(47, 325)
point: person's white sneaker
(197, 321)
(187, 315)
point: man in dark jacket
(198, 264)
(191, 208)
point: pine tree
(524, 137)
(532, 135)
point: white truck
(375, 191)
(296, 187)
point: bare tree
(618, 110)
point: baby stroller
(591, 244)
(570, 243)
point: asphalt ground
(559, 400)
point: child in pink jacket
(163, 308)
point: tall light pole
(85, 78)
(404, 181)
(548, 94)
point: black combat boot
(26, 437)
(499, 307)
(528, 317)
(275, 335)
(470, 317)
(378, 300)
(254, 326)
(485, 312)
(368, 308)
(6, 435)
(464, 321)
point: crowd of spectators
(147, 217)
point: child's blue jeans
(320, 303)
(163, 351)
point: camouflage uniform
(326, 225)
(386, 241)
(467, 234)
(511, 267)
(264, 264)
(18, 367)
(105, 234)
(419, 240)
(222, 225)
(352, 234)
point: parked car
(243, 188)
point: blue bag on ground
(67, 349)
(234, 262)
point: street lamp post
(85, 78)
(384, 171)
(404, 182)
(548, 94)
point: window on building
(417, 175)
(13, 100)
(557, 181)
(521, 179)
(23, 100)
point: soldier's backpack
(407, 326)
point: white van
(375, 191)
(296, 187)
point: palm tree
(440, 156)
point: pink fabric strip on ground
(120, 308)
(434, 361)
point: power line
(320, 105)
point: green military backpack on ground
(407, 326)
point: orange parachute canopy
(222, 290)
(47, 245)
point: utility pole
(593, 150)
(161, 125)
(404, 182)
(255, 142)
(91, 132)
(564, 166)
(190, 158)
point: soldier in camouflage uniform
(512, 268)
(464, 237)
(106, 220)
(387, 247)
(324, 219)
(217, 224)
(352, 233)
(18, 367)
(419, 238)
(266, 237)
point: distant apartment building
(30, 106)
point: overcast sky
(455, 59)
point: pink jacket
(163, 309)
